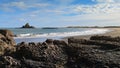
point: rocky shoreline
(95, 52)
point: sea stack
(27, 26)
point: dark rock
(92, 53)
(32, 43)
(42, 53)
(49, 41)
(77, 53)
(105, 38)
(9, 62)
(59, 42)
(27, 26)
(44, 43)
(37, 64)
(103, 44)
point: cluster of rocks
(96, 52)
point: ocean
(40, 34)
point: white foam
(63, 34)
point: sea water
(40, 35)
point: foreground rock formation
(7, 36)
(96, 52)
(7, 42)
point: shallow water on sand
(40, 35)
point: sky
(59, 13)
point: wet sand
(115, 32)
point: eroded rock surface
(96, 52)
(7, 37)
(7, 42)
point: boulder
(7, 36)
(7, 42)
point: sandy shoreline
(114, 32)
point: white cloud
(99, 8)
(20, 5)
(104, 1)
(23, 5)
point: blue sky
(59, 13)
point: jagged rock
(42, 52)
(27, 26)
(9, 62)
(77, 53)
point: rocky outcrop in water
(27, 26)
(96, 52)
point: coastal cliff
(96, 52)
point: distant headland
(93, 27)
(27, 26)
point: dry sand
(114, 32)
